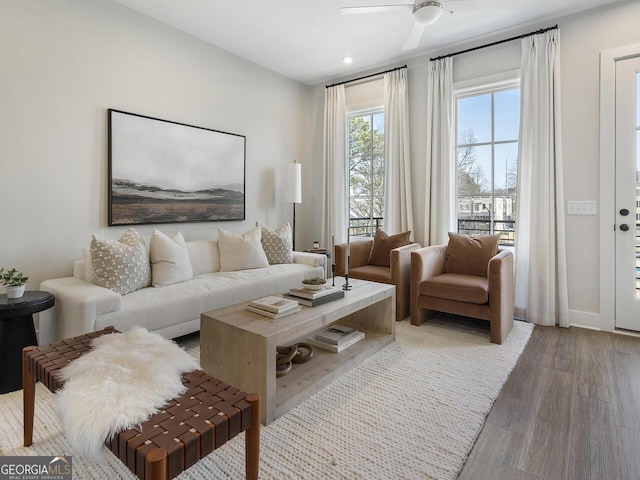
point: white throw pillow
(277, 244)
(169, 259)
(122, 265)
(241, 252)
(204, 256)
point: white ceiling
(307, 39)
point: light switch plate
(589, 207)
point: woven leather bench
(187, 429)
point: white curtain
(398, 205)
(440, 167)
(541, 271)
(334, 192)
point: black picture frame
(168, 172)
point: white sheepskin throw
(120, 383)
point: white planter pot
(15, 292)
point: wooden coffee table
(239, 347)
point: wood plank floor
(569, 410)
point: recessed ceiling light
(347, 59)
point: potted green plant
(14, 281)
(316, 283)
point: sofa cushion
(470, 256)
(455, 286)
(169, 259)
(383, 244)
(122, 265)
(164, 308)
(277, 244)
(204, 256)
(241, 252)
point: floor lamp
(294, 193)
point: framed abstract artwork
(168, 172)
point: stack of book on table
(336, 338)
(313, 298)
(273, 307)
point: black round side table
(16, 332)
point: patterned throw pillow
(277, 244)
(123, 265)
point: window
(487, 131)
(366, 172)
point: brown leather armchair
(398, 273)
(489, 297)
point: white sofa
(172, 310)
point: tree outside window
(366, 172)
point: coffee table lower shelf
(239, 347)
(308, 378)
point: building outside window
(366, 172)
(487, 133)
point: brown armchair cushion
(383, 244)
(470, 256)
(454, 286)
(373, 273)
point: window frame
(474, 87)
(351, 113)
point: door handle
(624, 227)
(624, 212)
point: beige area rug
(412, 411)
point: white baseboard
(584, 320)
(592, 321)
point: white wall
(583, 37)
(63, 63)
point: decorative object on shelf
(333, 261)
(336, 338)
(347, 260)
(168, 172)
(313, 298)
(286, 356)
(294, 192)
(273, 307)
(335, 334)
(316, 244)
(14, 281)
(273, 304)
(316, 283)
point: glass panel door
(627, 243)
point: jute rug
(412, 411)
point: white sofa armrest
(78, 305)
(308, 258)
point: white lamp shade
(294, 183)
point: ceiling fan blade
(375, 9)
(414, 37)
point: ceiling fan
(424, 13)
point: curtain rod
(537, 32)
(366, 76)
